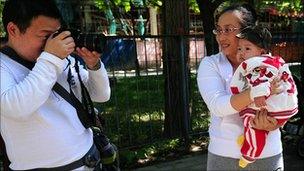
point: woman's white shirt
(214, 76)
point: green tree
(283, 6)
(126, 4)
(2, 31)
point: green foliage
(2, 31)
(193, 6)
(126, 4)
(283, 6)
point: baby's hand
(261, 90)
(276, 87)
(260, 101)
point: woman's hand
(263, 122)
(91, 59)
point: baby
(256, 72)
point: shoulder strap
(11, 53)
(3, 155)
(82, 113)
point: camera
(108, 151)
(92, 41)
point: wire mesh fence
(135, 113)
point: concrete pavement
(186, 163)
(292, 162)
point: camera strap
(85, 110)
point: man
(39, 127)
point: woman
(226, 125)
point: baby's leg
(254, 142)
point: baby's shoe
(240, 140)
(244, 162)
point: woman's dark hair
(248, 14)
(22, 12)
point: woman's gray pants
(215, 162)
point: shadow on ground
(292, 161)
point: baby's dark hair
(257, 35)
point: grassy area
(134, 118)
(135, 112)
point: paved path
(187, 163)
(198, 162)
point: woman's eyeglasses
(224, 31)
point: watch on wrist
(96, 67)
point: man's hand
(61, 45)
(92, 59)
(263, 122)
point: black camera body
(92, 41)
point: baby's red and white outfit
(257, 73)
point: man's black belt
(76, 164)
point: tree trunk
(175, 17)
(207, 8)
(71, 13)
(153, 20)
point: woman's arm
(241, 100)
(213, 88)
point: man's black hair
(22, 12)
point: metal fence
(135, 113)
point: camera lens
(92, 41)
